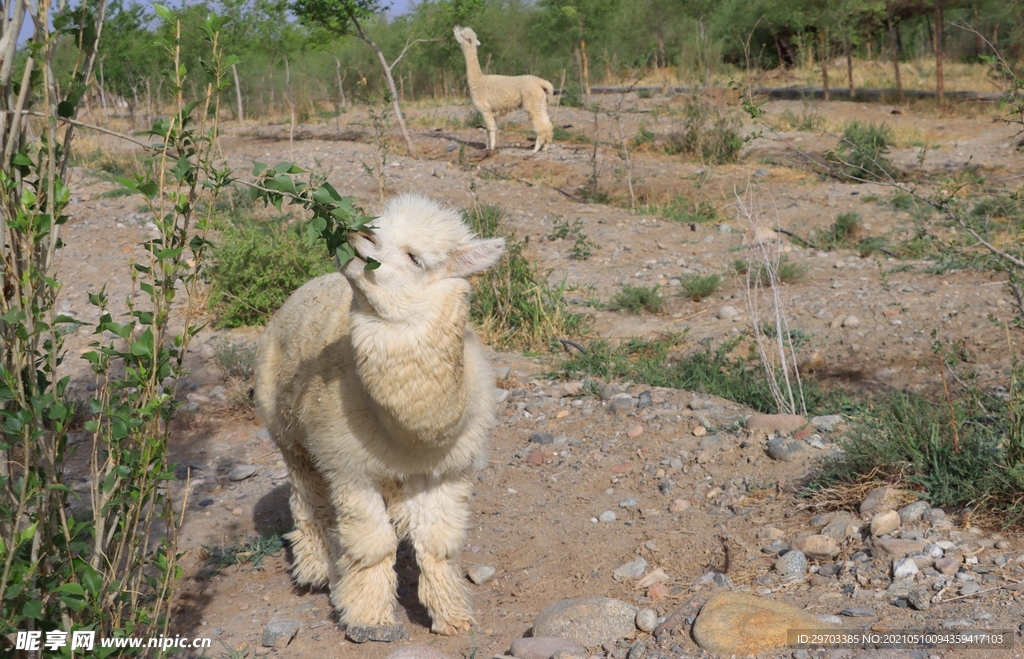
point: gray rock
(608, 391)
(479, 574)
(903, 568)
(727, 312)
(829, 619)
(918, 598)
(638, 651)
(544, 647)
(542, 438)
(761, 173)
(589, 621)
(878, 499)
(827, 423)
(913, 512)
(786, 449)
(646, 620)
(792, 563)
(857, 612)
(241, 472)
(710, 441)
(607, 516)
(418, 651)
(279, 633)
(644, 400)
(622, 403)
(263, 435)
(970, 588)
(381, 633)
(628, 503)
(631, 570)
(934, 515)
(841, 527)
(501, 395)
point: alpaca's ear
(458, 33)
(477, 257)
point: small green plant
(698, 287)
(252, 550)
(862, 150)
(708, 133)
(582, 248)
(643, 92)
(243, 290)
(637, 299)
(842, 232)
(117, 193)
(512, 304)
(573, 96)
(786, 272)
(683, 210)
(235, 360)
(475, 120)
(644, 137)
(807, 120)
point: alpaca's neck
(415, 373)
(473, 72)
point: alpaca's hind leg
(435, 514)
(492, 130)
(312, 512)
(364, 581)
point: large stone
(903, 568)
(912, 513)
(841, 527)
(418, 651)
(631, 570)
(279, 633)
(896, 548)
(740, 624)
(885, 522)
(380, 633)
(786, 449)
(880, 498)
(241, 472)
(791, 564)
(589, 621)
(786, 424)
(817, 547)
(948, 565)
(545, 647)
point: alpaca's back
(506, 94)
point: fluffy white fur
(496, 95)
(382, 400)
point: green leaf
(73, 588)
(32, 609)
(21, 160)
(91, 579)
(162, 11)
(371, 264)
(66, 109)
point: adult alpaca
(496, 95)
(381, 399)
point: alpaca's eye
(415, 259)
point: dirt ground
(536, 507)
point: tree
(342, 17)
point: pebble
(634, 431)
(851, 321)
(622, 403)
(1003, 544)
(785, 424)
(903, 568)
(792, 563)
(607, 516)
(700, 431)
(280, 474)
(637, 651)
(418, 651)
(948, 565)
(817, 547)
(628, 503)
(542, 438)
(727, 312)
(786, 449)
(589, 621)
(913, 512)
(241, 472)
(770, 533)
(479, 574)
(885, 522)
(379, 633)
(827, 423)
(631, 570)
(501, 395)
(656, 576)
(970, 588)
(237, 511)
(918, 599)
(545, 647)
(858, 612)
(646, 620)
(934, 515)
(880, 497)
(263, 435)
(279, 633)
(679, 505)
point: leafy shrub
(644, 137)
(582, 248)
(475, 120)
(841, 233)
(643, 92)
(512, 304)
(698, 287)
(573, 96)
(786, 271)
(243, 289)
(637, 299)
(862, 151)
(682, 210)
(235, 360)
(708, 133)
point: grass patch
(658, 363)
(682, 210)
(698, 287)
(644, 137)
(108, 166)
(252, 550)
(513, 305)
(842, 232)
(256, 266)
(707, 133)
(862, 151)
(970, 455)
(116, 193)
(582, 248)
(807, 120)
(637, 299)
(786, 272)
(235, 360)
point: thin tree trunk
(940, 82)
(337, 75)
(824, 62)
(979, 47)
(586, 67)
(238, 94)
(149, 102)
(391, 83)
(894, 47)
(849, 66)
(103, 94)
(778, 52)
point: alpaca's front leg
(364, 582)
(492, 130)
(436, 514)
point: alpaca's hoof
(453, 628)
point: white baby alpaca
(381, 399)
(496, 95)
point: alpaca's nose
(368, 235)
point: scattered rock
(948, 565)
(280, 474)
(544, 647)
(418, 651)
(898, 548)
(634, 431)
(913, 512)
(858, 612)
(679, 505)
(817, 547)
(479, 574)
(918, 599)
(770, 533)
(501, 395)
(1003, 544)
(381, 633)
(542, 438)
(851, 321)
(241, 472)
(827, 423)
(727, 312)
(628, 503)
(740, 624)
(885, 522)
(638, 651)
(786, 449)
(903, 568)
(631, 570)
(782, 423)
(700, 431)
(970, 588)
(792, 563)
(646, 620)
(841, 527)
(878, 498)
(656, 576)
(589, 621)
(607, 516)
(279, 633)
